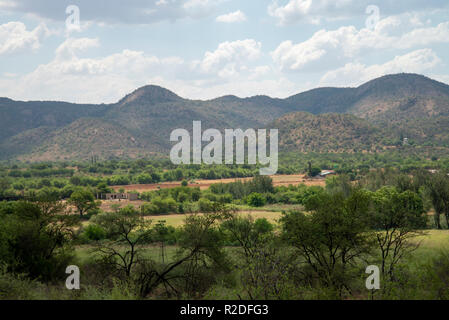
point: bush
(36, 242)
(149, 208)
(144, 178)
(205, 205)
(160, 206)
(437, 276)
(94, 232)
(263, 226)
(256, 200)
(17, 287)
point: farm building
(118, 196)
(326, 173)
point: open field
(435, 239)
(177, 220)
(278, 180)
(433, 242)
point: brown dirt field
(278, 180)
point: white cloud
(237, 16)
(90, 80)
(106, 79)
(315, 11)
(71, 46)
(14, 37)
(230, 57)
(325, 49)
(294, 10)
(425, 36)
(354, 74)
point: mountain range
(373, 116)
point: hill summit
(150, 94)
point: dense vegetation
(23, 180)
(319, 249)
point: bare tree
(128, 231)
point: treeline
(26, 180)
(19, 182)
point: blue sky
(203, 49)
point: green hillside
(86, 137)
(394, 107)
(305, 132)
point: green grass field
(431, 245)
(177, 220)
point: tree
(200, 250)
(4, 185)
(396, 218)
(261, 184)
(339, 184)
(438, 189)
(265, 268)
(243, 232)
(331, 236)
(256, 200)
(125, 227)
(102, 187)
(266, 273)
(312, 171)
(83, 200)
(35, 239)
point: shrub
(205, 205)
(263, 226)
(94, 232)
(159, 205)
(437, 276)
(149, 208)
(256, 200)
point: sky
(97, 51)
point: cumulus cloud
(14, 37)
(327, 48)
(425, 36)
(71, 77)
(315, 11)
(230, 57)
(71, 46)
(105, 79)
(237, 16)
(354, 73)
(115, 11)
